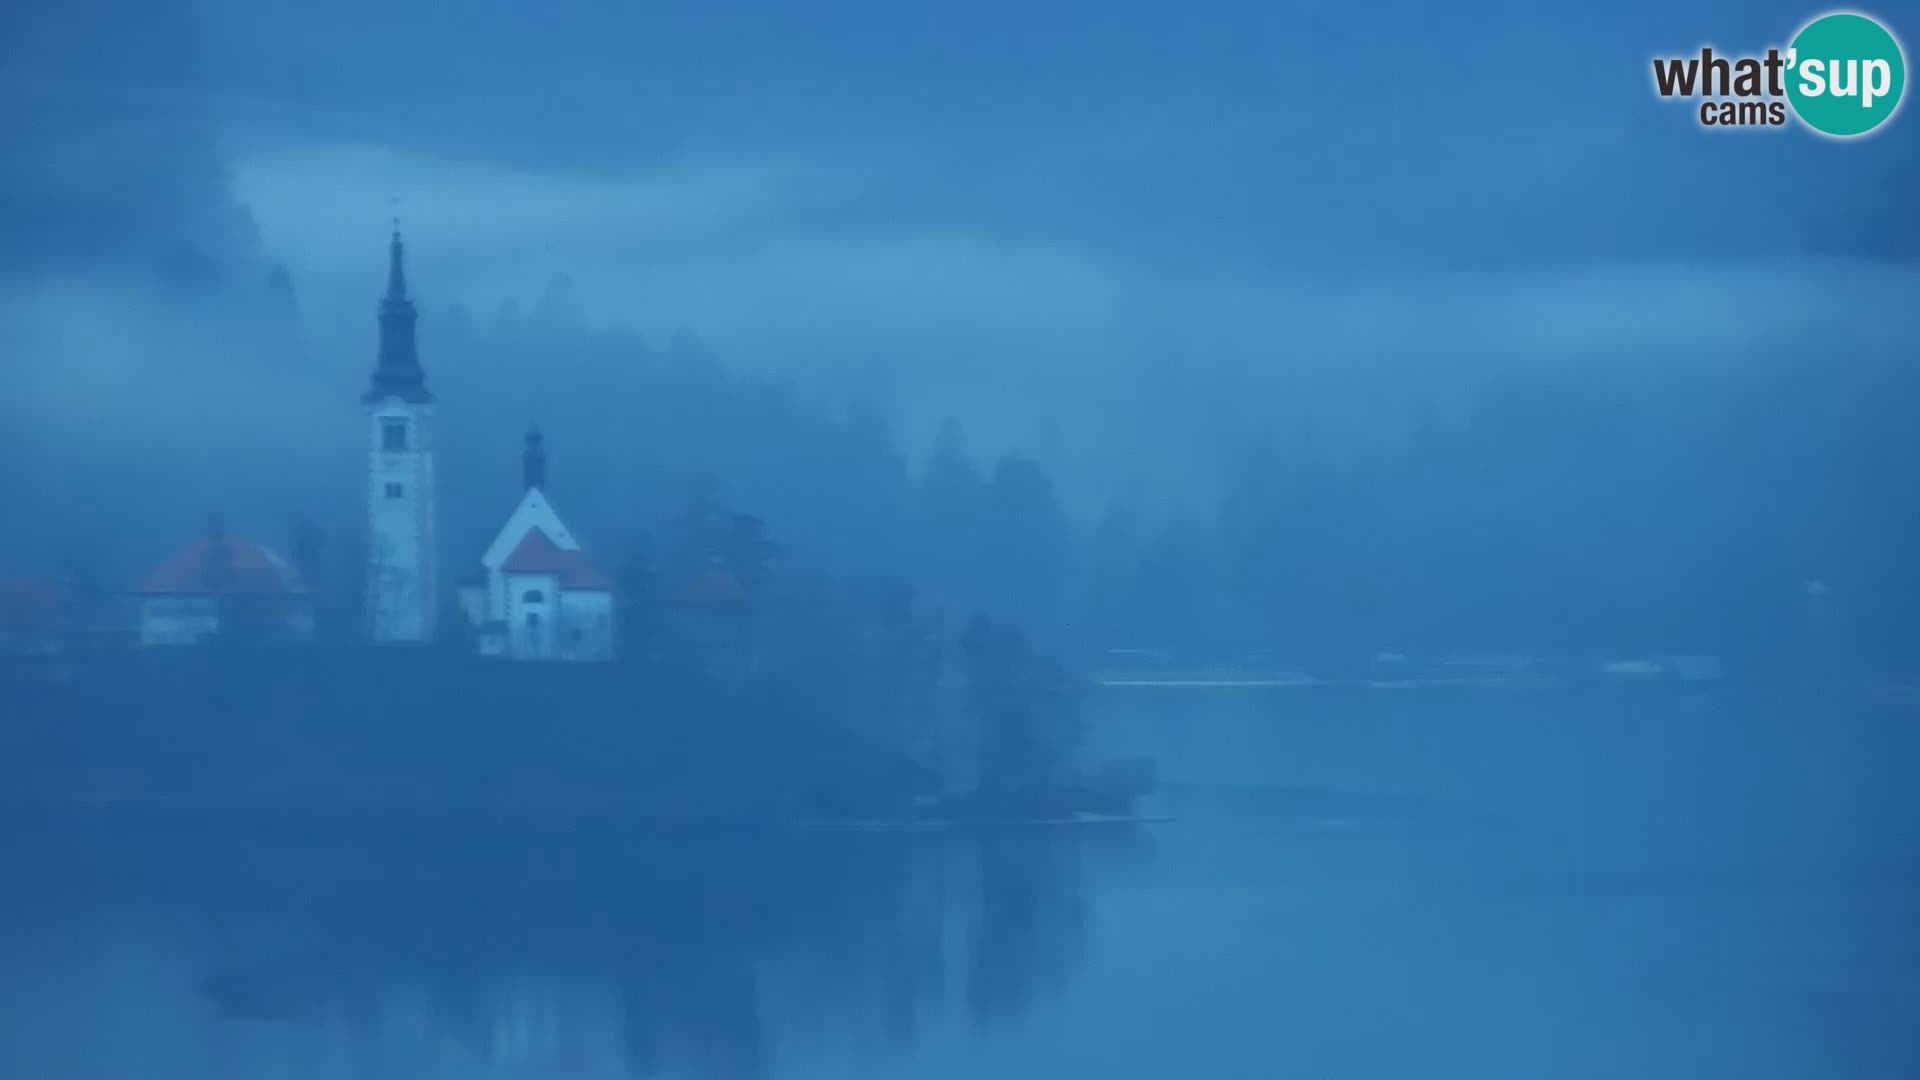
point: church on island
(535, 595)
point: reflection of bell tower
(400, 505)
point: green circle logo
(1845, 74)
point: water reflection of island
(684, 949)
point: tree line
(1568, 510)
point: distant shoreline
(956, 824)
(125, 815)
(1306, 683)
(1888, 690)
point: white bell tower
(402, 600)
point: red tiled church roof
(249, 569)
(538, 554)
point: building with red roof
(538, 595)
(570, 569)
(221, 584)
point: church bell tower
(401, 573)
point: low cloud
(135, 416)
(1127, 372)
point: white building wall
(401, 574)
(498, 609)
(533, 607)
(533, 512)
(185, 620)
(557, 616)
(177, 620)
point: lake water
(1357, 885)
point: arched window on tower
(393, 435)
(533, 596)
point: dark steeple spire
(398, 373)
(396, 267)
(533, 461)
